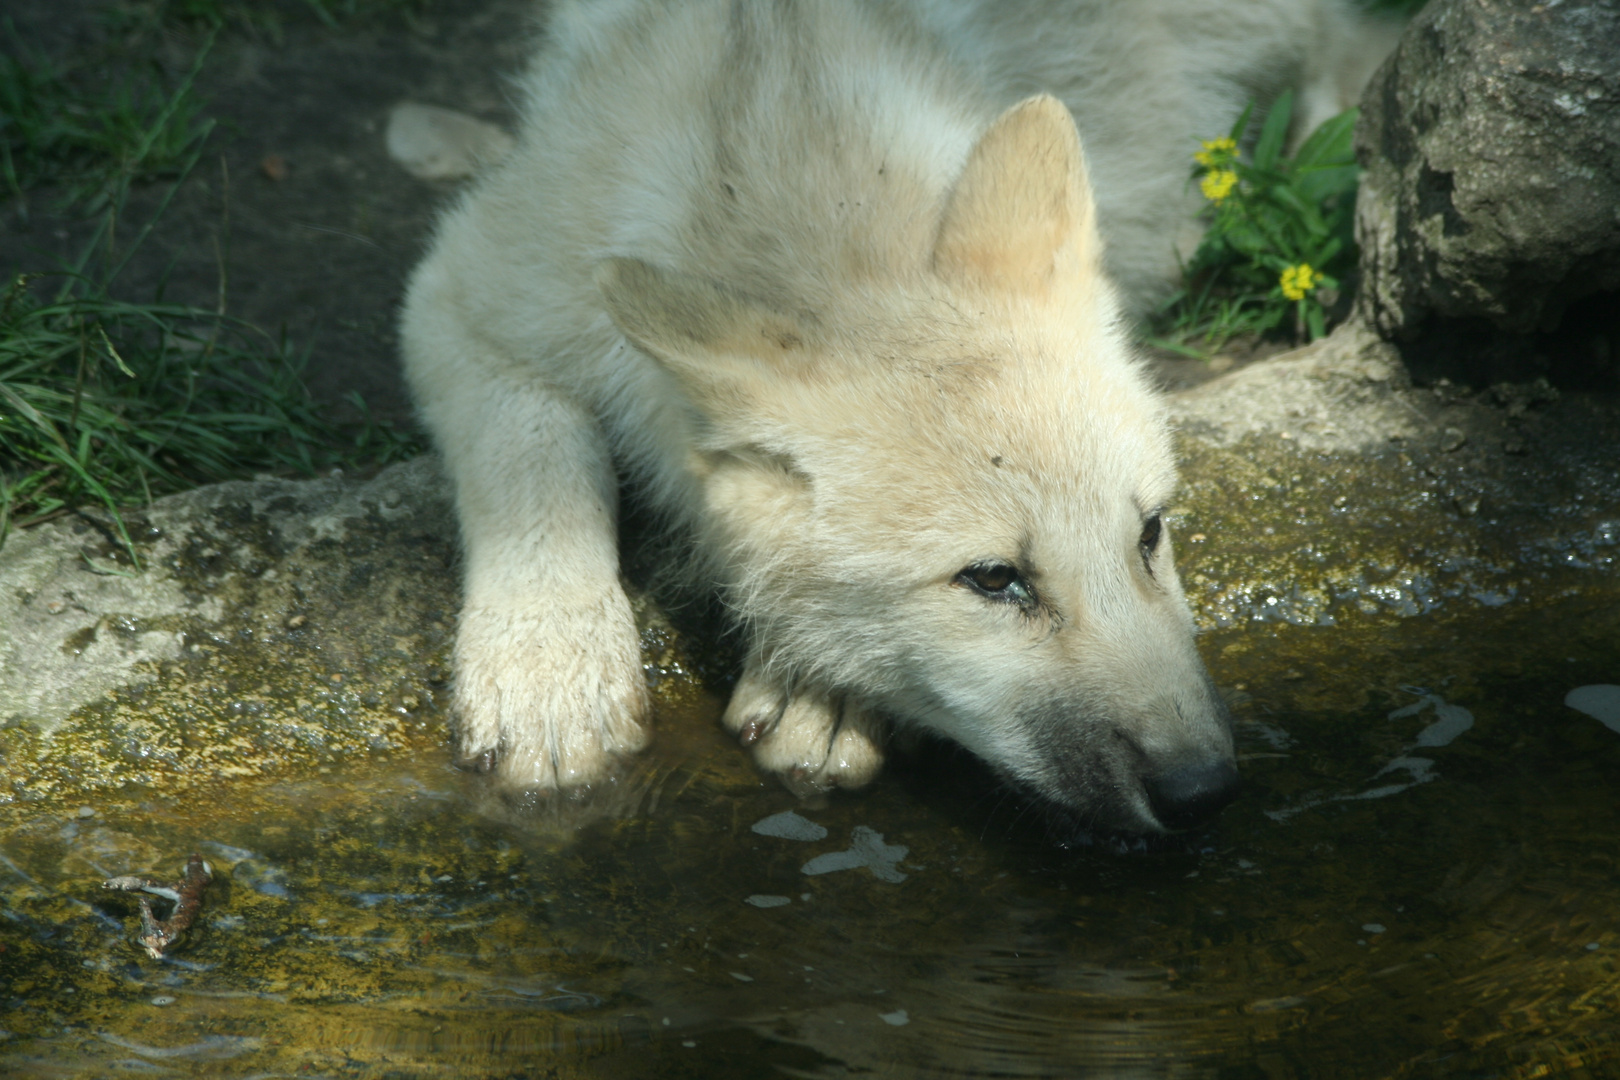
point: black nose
(1184, 797)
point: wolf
(842, 289)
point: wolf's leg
(548, 686)
(812, 741)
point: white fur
(815, 279)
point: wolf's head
(945, 492)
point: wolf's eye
(1150, 539)
(998, 581)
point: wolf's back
(782, 148)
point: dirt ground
(324, 251)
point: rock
(1491, 197)
(75, 622)
(442, 144)
(1344, 392)
(273, 628)
(187, 671)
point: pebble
(441, 144)
(789, 826)
(163, 999)
(87, 811)
(1600, 701)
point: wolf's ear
(1021, 217)
(714, 340)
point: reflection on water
(1420, 879)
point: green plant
(108, 402)
(1279, 235)
(268, 16)
(112, 403)
(88, 132)
(1404, 8)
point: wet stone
(1485, 214)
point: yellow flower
(1299, 280)
(1218, 185)
(1216, 152)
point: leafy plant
(1279, 236)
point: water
(1342, 919)
(1421, 877)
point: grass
(88, 134)
(263, 16)
(114, 403)
(110, 403)
(1279, 238)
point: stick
(186, 896)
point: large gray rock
(336, 568)
(1491, 143)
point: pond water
(1396, 893)
(1421, 877)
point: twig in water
(186, 896)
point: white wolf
(827, 279)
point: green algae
(333, 652)
(386, 917)
(1273, 533)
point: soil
(324, 251)
(319, 247)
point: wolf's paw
(812, 741)
(549, 702)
